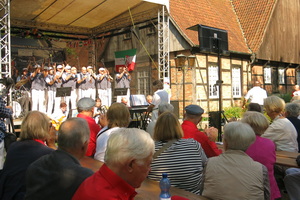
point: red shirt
(190, 130)
(94, 130)
(104, 185)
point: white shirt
(256, 95)
(101, 143)
(160, 96)
(296, 93)
(283, 133)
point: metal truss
(163, 44)
(5, 42)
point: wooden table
(90, 163)
(150, 190)
(284, 158)
(287, 158)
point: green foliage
(233, 112)
(286, 97)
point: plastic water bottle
(165, 185)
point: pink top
(263, 151)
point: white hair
(128, 143)
(238, 135)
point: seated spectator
(282, 132)
(182, 159)
(292, 111)
(58, 175)
(263, 149)
(192, 117)
(254, 107)
(117, 116)
(164, 107)
(85, 107)
(233, 174)
(127, 163)
(35, 131)
(292, 183)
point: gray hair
(165, 107)
(128, 143)
(257, 121)
(73, 133)
(292, 109)
(238, 136)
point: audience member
(254, 107)
(297, 91)
(59, 174)
(282, 132)
(233, 174)
(182, 159)
(263, 149)
(163, 107)
(292, 111)
(292, 183)
(34, 132)
(127, 164)
(192, 117)
(5, 112)
(85, 107)
(117, 116)
(159, 96)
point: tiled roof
(214, 13)
(254, 16)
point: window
(298, 77)
(281, 76)
(236, 82)
(143, 82)
(267, 74)
(212, 81)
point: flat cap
(37, 66)
(25, 69)
(50, 68)
(194, 110)
(86, 103)
(59, 66)
(89, 67)
(46, 68)
(101, 69)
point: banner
(125, 58)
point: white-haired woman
(233, 174)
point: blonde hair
(274, 104)
(35, 125)
(167, 127)
(118, 115)
(257, 121)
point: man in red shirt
(127, 163)
(85, 107)
(192, 116)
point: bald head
(73, 133)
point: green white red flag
(125, 58)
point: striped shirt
(183, 161)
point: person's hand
(103, 120)
(212, 133)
